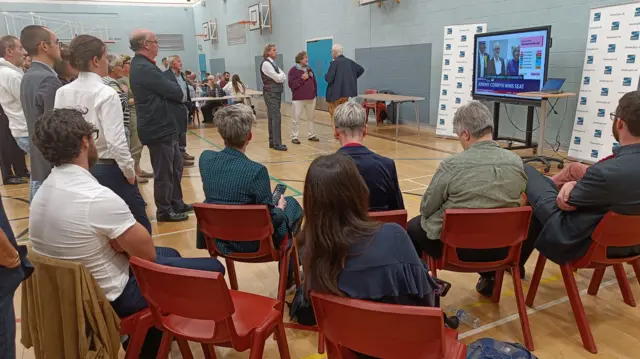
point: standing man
(11, 61)
(483, 58)
(38, 91)
(12, 163)
(273, 79)
(180, 110)
(225, 79)
(302, 83)
(165, 64)
(342, 79)
(157, 127)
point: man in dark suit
(342, 79)
(379, 172)
(496, 66)
(38, 91)
(155, 96)
(180, 110)
(564, 220)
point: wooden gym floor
(615, 325)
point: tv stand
(528, 143)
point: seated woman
(235, 87)
(229, 177)
(347, 254)
(212, 89)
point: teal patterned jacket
(230, 177)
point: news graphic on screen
(510, 62)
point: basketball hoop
(247, 22)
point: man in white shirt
(115, 168)
(11, 60)
(273, 80)
(73, 217)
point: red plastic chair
(136, 327)
(375, 105)
(614, 230)
(384, 330)
(245, 223)
(487, 229)
(197, 306)
(398, 216)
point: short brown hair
(31, 37)
(58, 135)
(7, 42)
(267, 48)
(300, 56)
(83, 49)
(629, 111)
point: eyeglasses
(613, 116)
(95, 134)
(55, 42)
(152, 41)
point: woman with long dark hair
(345, 253)
(235, 87)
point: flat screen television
(511, 62)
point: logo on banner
(443, 107)
(448, 46)
(626, 81)
(635, 35)
(601, 112)
(596, 16)
(446, 62)
(631, 59)
(637, 12)
(583, 100)
(458, 100)
(589, 60)
(594, 153)
(604, 92)
(587, 80)
(463, 38)
(459, 85)
(462, 53)
(442, 121)
(576, 140)
(460, 69)
(580, 121)
(608, 70)
(445, 77)
(449, 31)
(444, 92)
(594, 38)
(478, 29)
(615, 25)
(611, 48)
(597, 133)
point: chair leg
(257, 347)
(282, 281)
(320, 343)
(137, 337)
(209, 351)
(296, 264)
(623, 282)
(636, 269)
(165, 346)
(431, 264)
(596, 280)
(231, 269)
(535, 281)
(497, 287)
(283, 345)
(522, 309)
(578, 309)
(184, 349)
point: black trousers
(12, 161)
(167, 162)
(208, 109)
(111, 177)
(433, 247)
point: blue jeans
(33, 188)
(23, 143)
(131, 300)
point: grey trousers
(273, 101)
(166, 160)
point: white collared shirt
(498, 65)
(104, 113)
(269, 71)
(73, 217)
(10, 78)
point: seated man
(230, 177)
(482, 176)
(212, 89)
(573, 171)
(564, 220)
(379, 172)
(75, 218)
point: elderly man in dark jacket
(180, 110)
(342, 79)
(155, 96)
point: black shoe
(485, 286)
(314, 139)
(295, 141)
(270, 146)
(173, 217)
(15, 180)
(27, 175)
(187, 208)
(188, 157)
(280, 147)
(187, 163)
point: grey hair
(338, 49)
(496, 44)
(136, 40)
(234, 124)
(350, 117)
(171, 59)
(473, 117)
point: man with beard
(564, 220)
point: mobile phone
(278, 192)
(445, 286)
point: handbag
(488, 348)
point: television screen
(510, 62)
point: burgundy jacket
(302, 89)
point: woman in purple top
(302, 83)
(513, 67)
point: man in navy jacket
(342, 79)
(378, 172)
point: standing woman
(302, 83)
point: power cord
(506, 110)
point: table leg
(541, 128)
(417, 115)
(397, 119)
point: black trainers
(314, 139)
(295, 141)
(485, 286)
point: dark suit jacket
(180, 110)
(491, 68)
(380, 175)
(611, 185)
(342, 78)
(37, 95)
(152, 93)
